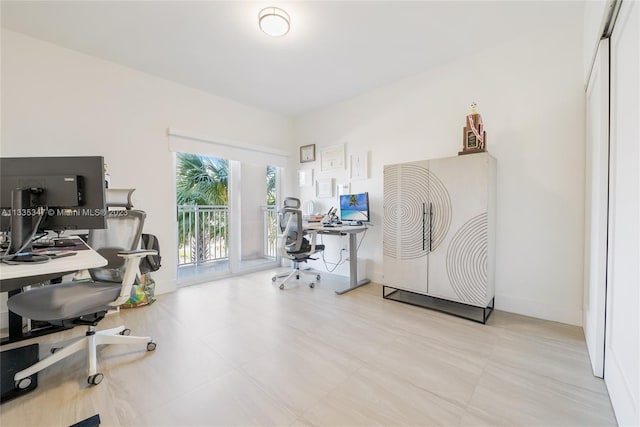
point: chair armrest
(313, 234)
(139, 253)
(131, 270)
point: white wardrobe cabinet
(438, 236)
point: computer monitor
(51, 193)
(354, 207)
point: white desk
(12, 279)
(83, 259)
(352, 231)
(15, 277)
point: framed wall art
(308, 153)
(324, 187)
(358, 165)
(305, 177)
(332, 158)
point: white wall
(57, 101)
(530, 93)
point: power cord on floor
(340, 261)
(335, 264)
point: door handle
(424, 218)
(430, 225)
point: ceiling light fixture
(274, 21)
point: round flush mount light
(274, 21)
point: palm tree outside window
(202, 195)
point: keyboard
(53, 254)
(55, 243)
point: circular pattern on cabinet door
(409, 190)
(467, 261)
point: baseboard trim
(556, 313)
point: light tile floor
(240, 351)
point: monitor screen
(354, 207)
(71, 188)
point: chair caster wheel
(95, 379)
(273, 279)
(125, 332)
(151, 346)
(54, 349)
(312, 285)
(282, 286)
(23, 383)
(318, 277)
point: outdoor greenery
(204, 181)
(271, 185)
(201, 180)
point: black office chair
(294, 245)
(86, 303)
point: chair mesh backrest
(295, 235)
(291, 202)
(124, 228)
(289, 206)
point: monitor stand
(22, 216)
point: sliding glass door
(226, 217)
(202, 196)
(257, 216)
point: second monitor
(354, 207)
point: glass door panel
(257, 217)
(202, 195)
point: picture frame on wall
(358, 165)
(343, 188)
(308, 153)
(324, 187)
(332, 158)
(305, 177)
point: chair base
(89, 342)
(296, 272)
(12, 361)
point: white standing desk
(341, 230)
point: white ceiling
(335, 49)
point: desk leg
(353, 266)
(15, 321)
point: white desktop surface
(317, 226)
(83, 259)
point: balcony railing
(271, 231)
(203, 233)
